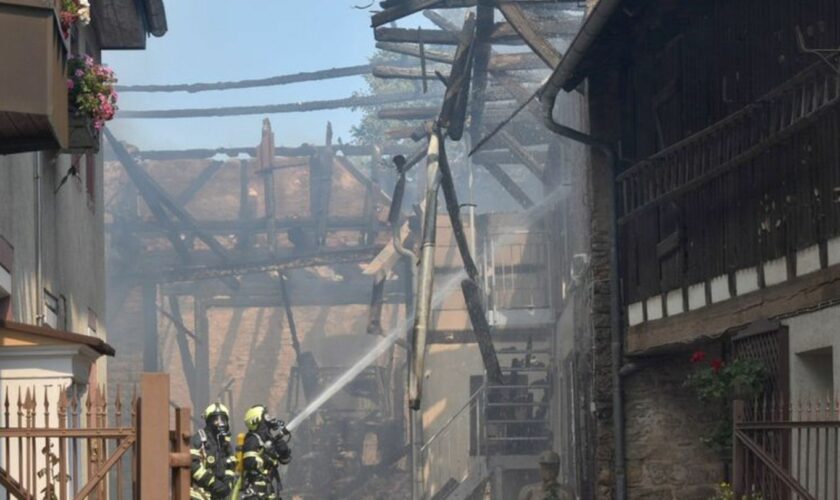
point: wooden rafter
(530, 34)
(507, 183)
(498, 33)
(454, 108)
(166, 274)
(397, 10)
(481, 61)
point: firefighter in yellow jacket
(213, 462)
(265, 449)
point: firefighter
(549, 488)
(213, 462)
(265, 449)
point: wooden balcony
(731, 142)
(33, 88)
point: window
(815, 371)
(6, 254)
(50, 310)
(92, 320)
(90, 179)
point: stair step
(526, 369)
(524, 351)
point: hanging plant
(91, 87)
(717, 384)
(73, 12)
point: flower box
(33, 88)
(83, 137)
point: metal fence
(56, 443)
(787, 450)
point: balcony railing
(731, 142)
(517, 271)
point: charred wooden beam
(504, 157)
(522, 154)
(530, 34)
(425, 36)
(408, 113)
(481, 329)
(279, 163)
(307, 76)
(306, 291)
(238, 268)
(499, 33)
(453, 111)
(290, 317)
(320, 187)
(481, 61)
(226, 227)
(247, 208)
(507, 183)
(498, 62)
(371, 209)
(407, 49)
(147, 192)
(450, 195)
(403, 73)
(377, 299)
(187, 361)
(380, 196)
(202, 355)
(198, 183)
(280, 151)
(293, 107)
(138, 174)
(414, 133)
(402, 9)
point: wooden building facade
(722, 117)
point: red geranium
(698, 356)
(716, 364)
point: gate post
(153, 437)
(180, 459)
(737, 450)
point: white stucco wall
(809, 333)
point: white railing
(517, 271)
(453, 454)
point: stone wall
(664, 424)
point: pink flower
(70, 84)
(79, 73)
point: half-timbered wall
(732, 132)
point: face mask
(221, 424)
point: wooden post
(265, 157)
(737, 449)
(181, 457)
(150, 340)
(153, 437)
(202, 356)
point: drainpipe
(39, 279)
(415, 424)
(425, 278)
(548, 99)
